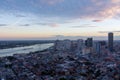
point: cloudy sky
(33, 19)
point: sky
(53, 19)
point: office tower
(89, 42)
(98, 47)
(110, 41)
(80, 45)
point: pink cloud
(97, 20)
(115, 1)
(100, 10)
(48, 2)
(110, 12)
(52, 2)
(54, 25)
(40, 3)
(106, 10)
(97, 10)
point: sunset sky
(46, 19)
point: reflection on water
(26, 49)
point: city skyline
(54, 19)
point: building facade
(110, 41)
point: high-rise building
(80, 45)
(98, 47)
(110, 41)
(89, 42)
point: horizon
(53, 19)
(61, 37)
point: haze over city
(54, 19)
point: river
(25, 49)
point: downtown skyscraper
(110, 41)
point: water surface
(26, 49)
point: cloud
(48, 24)
(54, 25)
(104, 31)
(3, 24)
(110, 9)
(18, 15)
(51, 2)
(41, 23)
(117, 31)
(24, 25)
(42, 3)
(83, 26)
(110, 12)
(97, 20)
(115, 1)
(94, 10)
